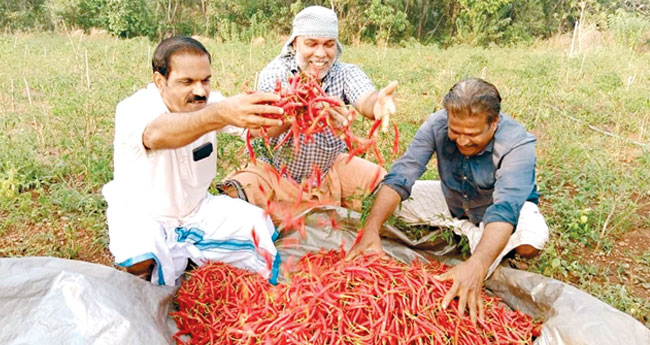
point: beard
(304, 66)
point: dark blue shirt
(490, 186)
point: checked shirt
(343, 80)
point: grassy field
(590, 113)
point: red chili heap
(329, 301)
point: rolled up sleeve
(515, 181)
(356, 83)
(412, 164)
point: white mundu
(427, 205)
(159, 207)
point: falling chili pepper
(306, 106)
(396, 140)
(249, 147)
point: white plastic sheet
(56, 301)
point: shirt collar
(488, 148)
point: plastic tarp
(56, 301)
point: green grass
(57, 149)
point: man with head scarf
(314, 49)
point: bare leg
(527, 251)
(142, 269)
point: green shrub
(241, 20)
(441, 22)
(479, 22)
(130, 18)
(23, 15)
(630, 29)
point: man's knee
(142, 269)
(527, 251)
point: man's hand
(386, 201)
(385, 105)
(244, 110)
(369, 243)
(468, 276)
(339, 116)
(468, 280)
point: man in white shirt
(160, 213)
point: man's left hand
(385, 104)
(339, 116)
(468, 282)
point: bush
(23, 15)
(242, 20)
(477, 22)
(629, 29)
(382, 21)
(128, 18)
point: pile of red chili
(370, 300)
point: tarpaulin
(54, 301)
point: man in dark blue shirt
(486, 164)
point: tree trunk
(423, 17)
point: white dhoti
(427, 205)
(219, 229)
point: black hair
(471, 97)
(169, 47)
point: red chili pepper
(318, 174)
(374, 127)
(296, 138)
(373, 182)
(396, 140)
(272, 171)
(256, 239)
(249, 147)
(333, 223)
(380, 158)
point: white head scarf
(314, 21)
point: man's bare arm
(173, 130)
(378, 104)
(385, 203)
(468, 276)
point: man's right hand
(386, 201)
(243, 110)
(370, 243)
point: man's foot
(142, 269)
(233, 189)
(527, 251)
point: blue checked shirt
(491, 186)
(345, 81)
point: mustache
(196, 98)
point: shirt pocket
(198, 173)
(483, 196)
(484, 185)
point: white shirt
(165, 182)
